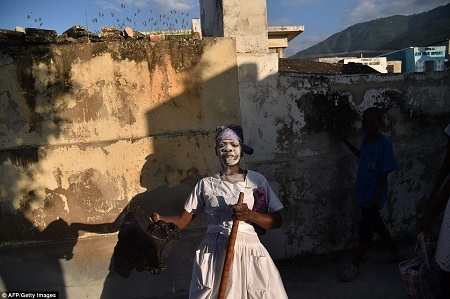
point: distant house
(420, 59)
(445, 43)
(377, 63)
(280, 36)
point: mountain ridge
(383, 35)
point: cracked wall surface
(295, 133)
(85, 130)
(88, 130)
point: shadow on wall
(315, 182)
(26, 269)
(178, 263)
(30, 113)
(182, 152)
(24, 105)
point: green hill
(383, 35)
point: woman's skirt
(253, 273)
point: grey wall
(86, 129)
(295, 135)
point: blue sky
(321, 18)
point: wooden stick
(229, 254)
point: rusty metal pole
(229, 254)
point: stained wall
(87, 130)
(295, 126)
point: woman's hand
(241, 212)
(181, 220)
(155, 217)
(265, 220)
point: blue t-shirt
(374, 159)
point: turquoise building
(420, 59)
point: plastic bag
(143, 244)
(422, 276)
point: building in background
(377, 63)
(420, 59)
(280, 36)
(445, 43)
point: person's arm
(102, 228)
(265, 220)
(354, 150)
(382, 178)
(181, 220)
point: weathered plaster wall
(246, 21)
(87, 128)
(294, 127)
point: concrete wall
(294, 125)
(246, 21)
(85, 128)
(88, 129)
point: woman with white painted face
(252, 272)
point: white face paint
(229, 152)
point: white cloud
(184, 5)
(368, 10)
(107, 5)
(138, 4)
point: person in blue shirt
(376, 161)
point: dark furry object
(143, 244)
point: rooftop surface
(40, 267)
